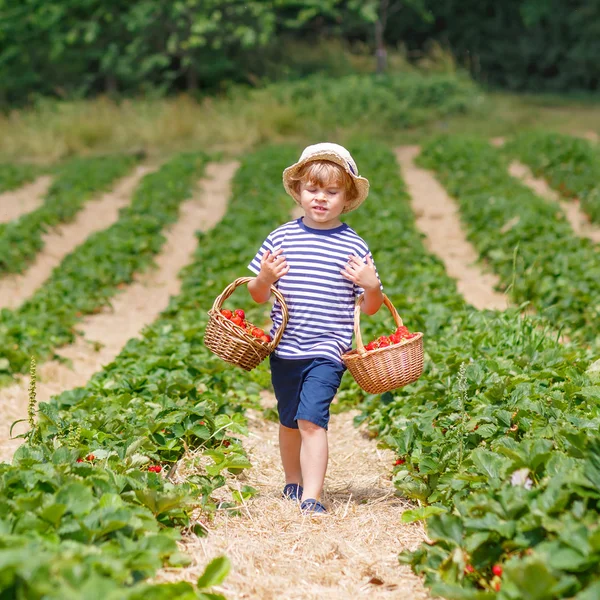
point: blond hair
(324, 173)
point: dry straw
(384, 369)
(234, 344)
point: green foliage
(79, 509)
(394, 101)
(571, 165)
(75, 183)
(88, 277)
(71, 48)
(13, 176)
(500, 434)
(536, 45)
(523, 237)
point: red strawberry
(469, 568)
(384, 341)
(80, 460)
(240, 313)
(155, 468)
(402, 330)
(395, 338)
(237, 320)
(227, 313)
(90, 457)
(226, 443)
(400, 461)
(371, 346)
(497, 570)
(265, 338)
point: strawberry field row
(498, 441)
(75, 182)
(88, 277)
(525, 239)
(109, 522)
(13, 176)
(570, 165)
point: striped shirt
(320, 300)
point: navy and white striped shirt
(319, 299)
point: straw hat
(336, 154)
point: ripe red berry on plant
(155, 468)
(238, 317)
(402, 334)
(497, 570)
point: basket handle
(218, 303)
(359, 343)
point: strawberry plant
(498, 441)
(87, 278)
(570, 165)
(522, 237)
(13, 175)
(114, 520)
(75, 183)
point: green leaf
(446, 527)
(487, 462)
(215, 573)
(78, 498)
(421, 513)
(533, 579)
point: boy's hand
(361, 274)
(273, 266)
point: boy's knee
(309, 427)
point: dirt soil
(437, 216)
(135, 307)
(62, 240)
(580, 222)
(278, 553)
(26, 199)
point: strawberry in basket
(402, 334)
(238, 317)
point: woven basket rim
(354, 354)
(238, 331)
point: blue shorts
(305, 389)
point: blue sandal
(292, 491)
(310, 506)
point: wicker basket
(232, 343)
(384, 369)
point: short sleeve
(357, 289)
(254, 265)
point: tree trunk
(191, 77)
(380, 45)
(110, 84)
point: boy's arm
(364, 275)
(372, 300)
(273, 267)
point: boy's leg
(314, 455)
(289, 448)
(321, 382)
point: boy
(320, 265)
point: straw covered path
(579, 221)
(23, 200)
(278, 553)
(138, 305)
(438, 218)
(97, 214)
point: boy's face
(322, 204)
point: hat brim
(361, 183)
